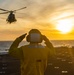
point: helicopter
(11, 17)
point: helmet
(34, 36)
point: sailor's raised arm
(50, 46)
(14, 50)
(47, 42)
(17, 41)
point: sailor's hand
(45, 38)
(47, 42)
(22, 36)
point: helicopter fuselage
(11, 18)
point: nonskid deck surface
(63, 64)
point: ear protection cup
(28, 38)
(41, 38)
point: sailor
(33, 56)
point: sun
(64, 26)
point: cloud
(36, 9)
(38, 14)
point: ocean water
(6, 44)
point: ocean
(56, 43)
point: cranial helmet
(34, 36)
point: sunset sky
(54, 18)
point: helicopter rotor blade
(4, 12)
(3, 9)
(20, 9)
